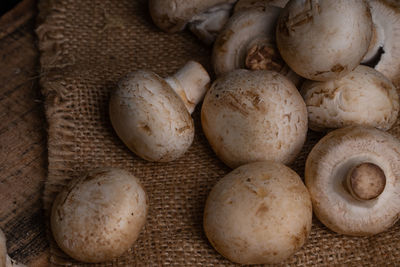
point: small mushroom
(248, 41)
(352, 175)
(383, 52)
(362, 97)
(5, 260)
(204, 17)
(260, 213)
(152, 115)
(252, 116)
(326, 39)
(99, 216)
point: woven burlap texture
(86, 47)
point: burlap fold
(86, 47)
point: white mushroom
(5, 260)
(204, 17)
(99, 216)
(362, 97)
(384, 50)
(325, 39)
(152, 115)
(252, 116)
(259, 213)
(353, 177)
(248, 41)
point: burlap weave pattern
(86, 47)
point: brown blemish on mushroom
(338, 68)
(261, 210)
(182, 129)
(234, 103)
(304, 16)
(146, 128)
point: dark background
(6, 5)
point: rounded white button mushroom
(99, 216)
(352, 175)
(248, 41)
(383, 52)
(363, 97)
(152, 115)
(259, 213)
(326, 39)
(5, 260)
(252, 116)
(204, 17)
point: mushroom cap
(326, 169)
(386, 20)
(258, 213)
(150, 118)
(362, 97)
(99, 216)
(173, 15)
(322, 40)
(252, 116)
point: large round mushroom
(99, 216)
(326, 39)
(258, 213)
(252, 116)
(353, 177)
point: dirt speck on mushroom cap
(253, 116)
(262, 210)
(99, 216)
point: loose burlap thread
(86, 47)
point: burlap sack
(86, 46)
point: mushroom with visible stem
(252, 116)
(100, 215)
(261, 209)
(325, 39)
(5, 260)
(362, 97)
(248, 41)
(152, 115)
(352, 175)
(204, 17)
(383, 53)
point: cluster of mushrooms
(256, 120)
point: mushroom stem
(191, 83)
(366, 181)
(263, 55)
(5, 260)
